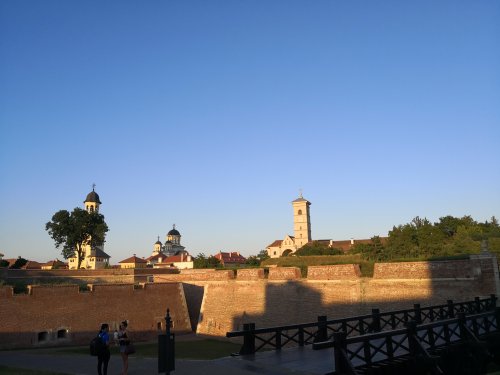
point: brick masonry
(250, 274)
(58, 315)
(284, 273)
(214, 302)
(337, 272)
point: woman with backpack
(103, 354)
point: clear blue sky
(213, 114)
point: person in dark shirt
(124, 340)
(104, 355)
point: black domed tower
(174, 236)
(92, 201)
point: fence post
(301, 336)
(493, 300)
(411, 331)
(477, 304)
(321, 333)
(461, 324)
(278, 339)
(375, 320)
(497, 317)
(418, 313)
(451, 311)
(248, 339)
(339, 345)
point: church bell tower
(301, 221)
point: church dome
(173, 232)
(92, 197)
(158, 242)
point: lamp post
(166, 348)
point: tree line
(421, 239)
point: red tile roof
(275, 243)
(156, 257)
(55, 263)
(133, 259)
(232, 257)
(32, 265)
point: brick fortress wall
(58, 315)
(214, 302)
(226, 303)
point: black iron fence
(255, 339)
(354, 354)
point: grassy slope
(319, 260)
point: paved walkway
(297, 361)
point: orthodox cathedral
(171, 252)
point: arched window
(62, 333)
(300, 212)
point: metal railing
(353, 354)
(255, 339)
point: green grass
(195, 349)
(17, 371)
(303, 262)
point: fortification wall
(58, 315)
(339, 291)
(109, 275)
(424, 270)
(214, 302)
(338, 272)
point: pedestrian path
(297, 361)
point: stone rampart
(284, 273)
(197, 276)
(250, 274)
(59, 315)
(457, 269)
(109, 275)
(214, 302)
(341, 292)
(336, 272)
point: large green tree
(201, 261)
(73, 231)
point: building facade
(93, 258)
(301, 229)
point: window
(300, 212)
(274, 253)
(62, 333)
(43, 336)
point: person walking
(103, 355)
(124, 341)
